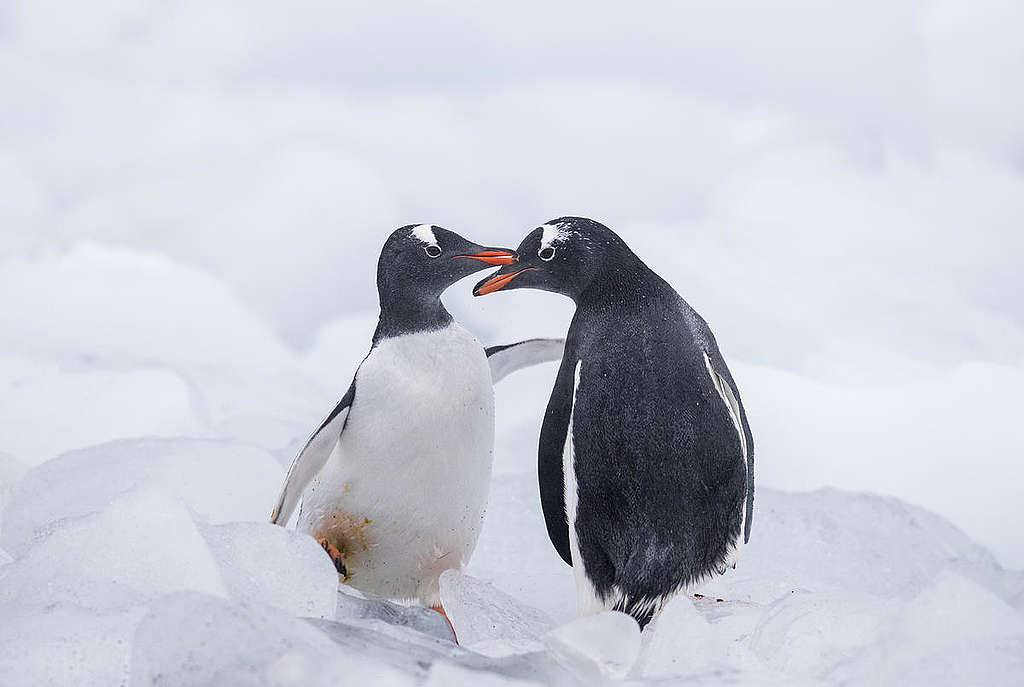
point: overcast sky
(838, 189)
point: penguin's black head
(567, 255)
(421, 260)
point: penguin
(394, 482)
(646, 460)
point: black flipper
(553, 435)
(312, 458)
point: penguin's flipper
(312, 458)
(554, 435)
(505, 360)
(726, 388)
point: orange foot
(337, 557)
(440, 609)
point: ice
(445, 674)
(144, 545)
(683, 641)
(605, 644)
(219, 481)
(63, 644)
(264, 563)
(196, 640)
(382, 614)
(481, 613)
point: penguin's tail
(642, 611)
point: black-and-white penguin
(646, 461)
(394, 481)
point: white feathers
(552, 233)
(406, 487)
(424, 233)
(587, 600)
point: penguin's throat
(401, 315)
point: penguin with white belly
(394, 481)
(646, 460)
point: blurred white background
(193, 194)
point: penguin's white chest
(404, 493)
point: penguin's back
(660, 466)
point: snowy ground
(140, 465)
(192, 196)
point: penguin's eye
(433, 251)
(546, 253)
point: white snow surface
(192, 199)
(136, 476)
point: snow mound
(11, 471)
(219, 482)
(88, 406)
(835, 541)
(122, 308)
(954, 632)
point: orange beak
(498, 282)
(492, 256)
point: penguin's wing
(505, 360)
(312, 458)
(554, 434)
(726, 388)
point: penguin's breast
(417, 447)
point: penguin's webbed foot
(337, 557)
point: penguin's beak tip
(493, 256)
(497, 281)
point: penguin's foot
(337, 557)
(440, 609)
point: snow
(192, 198)
(134, 547)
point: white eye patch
(552, 233)
(424, 234)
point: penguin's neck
(408, 313)
(620, 283)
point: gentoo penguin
(646, 461)
(394, 481)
